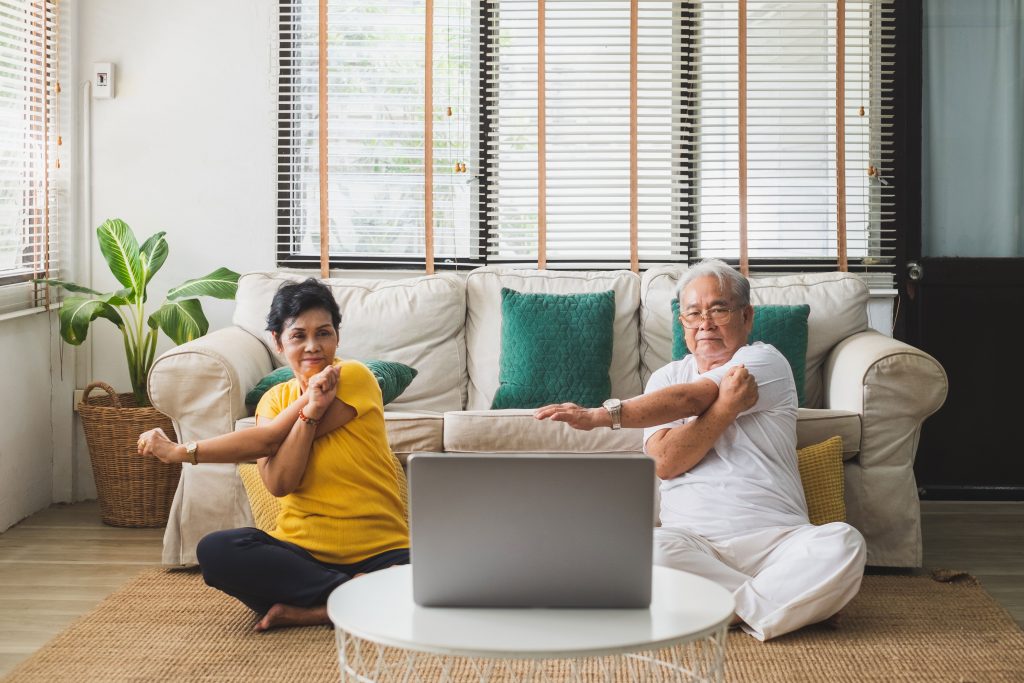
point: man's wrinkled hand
(575, 416)
(738, 390)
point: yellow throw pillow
(821, 471)
(265, 507)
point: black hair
(295, 298)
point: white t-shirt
(750, 478)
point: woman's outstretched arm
(261, 441)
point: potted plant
(134, 491)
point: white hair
(729, 279)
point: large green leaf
(153, 253)
(70, 286)
(121, 297)
(221, 283)
(121, 249)
(182, 321)
(77, 312)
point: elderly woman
(323, 450)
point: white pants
(782, 578)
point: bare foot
(287, 615)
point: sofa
(864, 386)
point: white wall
(187, 146)
(29, 430)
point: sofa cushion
(784, 327)
(517, 431)
(555, 348)
(483, 322)
(838, 301)
(821, 474)
(416, 321)
(408, 431)
(814, 425)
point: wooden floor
(59, 563)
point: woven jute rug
(168, 626)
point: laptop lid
(531, 530)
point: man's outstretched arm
(658, 407)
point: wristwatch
(614, 408)
(192, 451)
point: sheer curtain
(973, 120)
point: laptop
(531, 530)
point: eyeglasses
(718, 315)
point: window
(686, 145)
(28, 144)
(791, 134)
(587, 141)
(376, 132)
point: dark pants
(261, 571)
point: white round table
(383, 636)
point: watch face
(612, 404)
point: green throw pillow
(554, 348)
(392, 377)
(784, 327)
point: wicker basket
(134, 491)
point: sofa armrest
(868, 369)
(894, 387)
(201, 385)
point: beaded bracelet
(308, 420)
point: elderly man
(721, 427)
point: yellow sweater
(347, 507)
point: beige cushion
(483, 322)
(414, 432)
(408, 431)
(814, 425)
(517, 431)
(838, 301)
(417, 321)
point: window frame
(686, 251)
(38, 228)
(287, 207)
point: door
(962, 276)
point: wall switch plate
(103, 80)
(79, 393)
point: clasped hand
(738, 390)
(321, 389)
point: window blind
(376, 118)
(609, 128)
(688, 162)
(29, 152)
(587, 117)
(791, 133)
